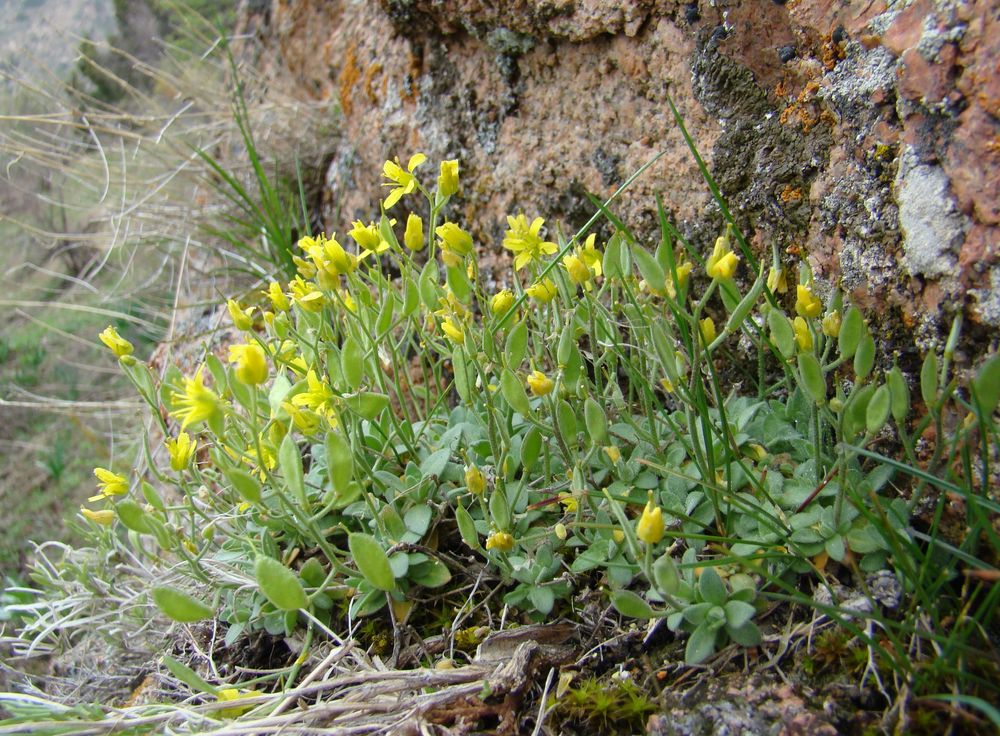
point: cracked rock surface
(863, 134)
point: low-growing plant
(387, 416)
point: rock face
(863, 134)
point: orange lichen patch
(790, 194)
(369, 77)
(832, 52)
(348, 77)
(781, 89)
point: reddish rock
(546, 100)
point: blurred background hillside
(101, 106)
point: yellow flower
(613, 453)
(306, 295)
(414, 235)
(803, 336)
(777, 280)
(306, 420)
(448, 179)
(708, 332)
(591, 256)
(104, 517)
(196, 402)
(667, 385)
(453, 331)
(539, 383)
(683, 269)
(454, 239)
(500, 541)
(318, 397)
(543, 291)
(251, 363)
(368, 238)
(402, 182)
(304, 267)
(181, 450)
(230, 694)
(722, 263)
(329, 257)
(501, 302)
(650, 527)
(118, 345)
(475, 481)
(807, 304)
(109, 484)
(347, 300)
(525, 241)
(278, 298)
(569, 502)
(241, 317)
(578, 272)
(831, 324)
(618, 535)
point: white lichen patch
(932, 228)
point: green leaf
(596, 421)
(747, 635)
(986, 386)
(371, 560)
(542, 598)
(666, 574)
(567, 343)
(312, 572)
(458, 283)
(367, 404)
(700, 645)
(566, 422)
(613, 259)
(629, 604)
(188, 676)
(929, 380)
(531, 448)
(513, 392)
(352, 363)
(339, 460)
(746, 304)
(500, 508)
(517, 344)
(864, 358)
(244, 484)
(877, 411)
(812, 377)
(899, 394)
(132, 516)
(463, 381)
(467, 527)
(384, 320)
(649, 268)
(852, 331)
(280, 387)
(430, 574)
(417, 519)
(711, 587)
(429, 289)
(179, 606)
(290, 462)
(782, 334)
(279, 585)
(152, 496)
(411, 297)
(738, 613)
(434, 464)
